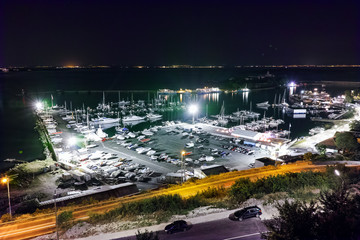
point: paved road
(223, 229)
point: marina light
(291, 84)
(39, 105)
(71, 141)
(193, 108)
(182, 153)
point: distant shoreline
(352, 83)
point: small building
(245, 134)
(204, 172)
(329, 144)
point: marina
(156, 141)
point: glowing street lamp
(337, 173)
(6, 180)
(71, 141)
(193, 109)
(39, 106)
(182, 166)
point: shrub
(146, 235)
(219, 192)
(64, 218)
(243, 188)
(5, 218)
(174, 204)
(28, 206)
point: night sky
(178, 32)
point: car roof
(251, 207)
(180, 221)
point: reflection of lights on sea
(245, 96)
(181, 96)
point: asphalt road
(223, 229)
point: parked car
(177, 226)
(248, 212)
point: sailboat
(263, 104)
(245, 89)
(222, 120)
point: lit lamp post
(182, 166)
(193, 109)
(337, 173)
(39, 106)
(71, 141)
(7, 180)
(56, 218)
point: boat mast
(103, 99)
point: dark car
(248, 212)
(177, 226)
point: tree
(338, 218)
(346, 141)
(242, 190)
(348, 96)
(355, 125)
(321, 148)
(146, 235)
(296, 221)
(64, 218)
(340, 215)
(308, 156)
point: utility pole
(56, 218)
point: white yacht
(152, 116)
(263, 104)
(104, 120)
(132, 118)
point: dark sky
(59, 32)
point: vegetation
(168, 204)
(5, 217)
(28, 206)
(65, 219)
(244, 189)
(146, 235)
(355, 125)
(321, 149)
(348, 96)
(308, 156)
(336, 217)
(346, 141)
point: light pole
(182, 166)
(7, 180)
(56, 218)
(337, 173)
(193, 109)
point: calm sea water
(19, 140)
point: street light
(182, 166)
(193, 109)
(6, 180)
(56, 217)
(71, 141)
(39, 106)
(337, 173)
